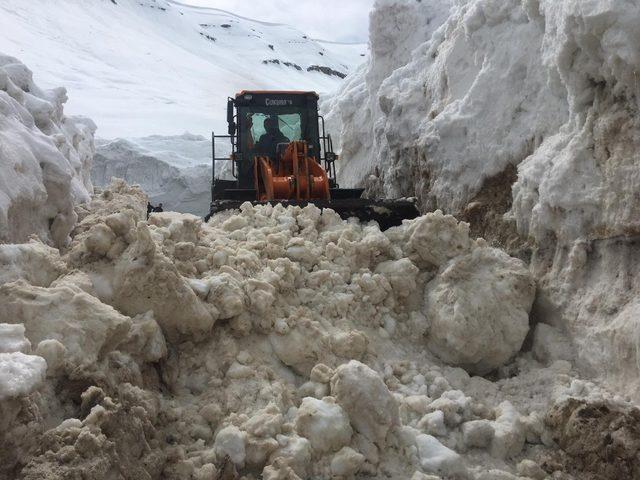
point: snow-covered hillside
(524, 108)
(158, 67)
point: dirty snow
(287, 343)
(281, 341)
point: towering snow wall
(45, 158)
(520, 116)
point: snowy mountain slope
(156, 67)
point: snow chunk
(34, 262)
(477, 433)
(402, 275)
(145, 279)
(346, 462)
(436, 238)
(230, 442)
(53, 352)
(432, 455)
(302, 346)
(479, 310)
(295, 451)
(20, 374)
(12, 339)
(324, 423)
(86, 327)
(436, 458)
(373, 410)
(510, 432)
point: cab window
(290, 125)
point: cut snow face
(175, 171)
(522, 117)
(281, 342)
(157, 67)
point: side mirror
(230, 116)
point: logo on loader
(278, 103)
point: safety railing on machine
(214, 159)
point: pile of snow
(525, 107)
(45, 158)
(278, 340)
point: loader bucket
(387, 213)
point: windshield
(290, 125)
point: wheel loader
(281, 153)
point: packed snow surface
(285, 342)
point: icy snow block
(20, 374)
(479, 310)
(433, 456)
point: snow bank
(524, 108)
(356, 112)
(45, 158)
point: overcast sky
(338, 20)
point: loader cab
(263, 123)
